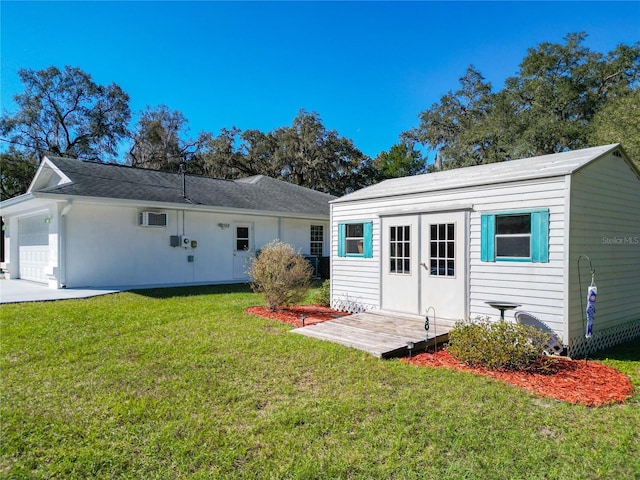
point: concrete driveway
(15, 291)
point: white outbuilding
(456, 244)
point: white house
(86, 224)
(449, 242)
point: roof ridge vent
(251, 180)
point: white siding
(537, 286)
(605, 226)
(355, 280)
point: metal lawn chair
(554, 347)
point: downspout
(62, 244)
(567, 263)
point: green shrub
(497, 344)
(281, 274)
(323, 295)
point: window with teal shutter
(355, 239)
(516, 236)
(341, 239)
(540, 236)
(368, 240)
(487, 232)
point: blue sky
(367, 68)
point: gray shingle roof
(114, 181)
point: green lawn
(180, 383)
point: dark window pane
(434, 267)
(512, 224)
(400, 237)
(441, 267)
(242, 232)
(355, 230)
(392, 266)
(433, 249)
(407, 233)
(242, 244)
(393, 233)
(434, 232)
(513, 246)
(450, 232)
(406, 266)
(451, 268)
(441, 249)
(441, 231)
(450, 250)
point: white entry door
(444, 241)
(243, 249)
(424, 265)
(400, 264)
(33, 248)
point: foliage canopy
(564, 96)
(548, 107)
(65, 113)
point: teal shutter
(342, 233)
(368, 240)
(540, 236)
(487, 233)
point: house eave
(10, 202)
(175, 206)
(21, 204)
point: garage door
(33, 246)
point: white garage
(33, 247)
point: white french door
(424, 264)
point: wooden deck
(383, 334)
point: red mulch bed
(293, 314)
(574, 381)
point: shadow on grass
(191, 291)
(194, 290)
(625, 352)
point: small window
(355, 239)
(317, 240)
(400, 249)
(515, 236)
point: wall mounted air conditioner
(153, 219)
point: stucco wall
(105, 246)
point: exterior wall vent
(153, 219)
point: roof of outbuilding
(556, 164)
(115, 181)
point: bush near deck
(497, 344)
